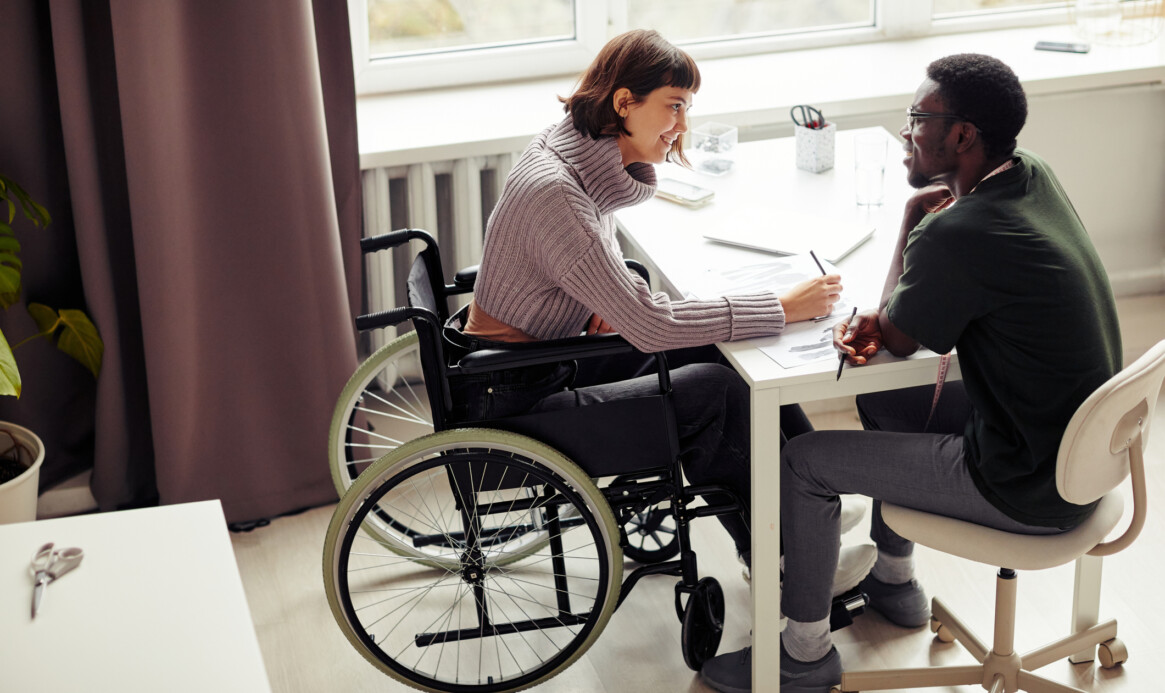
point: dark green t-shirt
(1009, 276)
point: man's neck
(971, 175)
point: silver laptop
(829, 239)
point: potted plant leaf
(21, 451)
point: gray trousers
(892, 460)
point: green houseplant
(21, 452)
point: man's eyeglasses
(913, 116)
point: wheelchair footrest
(845, 607)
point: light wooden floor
(639, 651)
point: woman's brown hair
(640, 60)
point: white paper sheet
(801, 342)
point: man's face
(930, 141)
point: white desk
(156, 605)
(669, 238)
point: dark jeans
(711, 406)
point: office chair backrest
(1106, 438)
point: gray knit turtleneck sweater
(551, 258)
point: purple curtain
(204, 155)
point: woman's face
(654, 123)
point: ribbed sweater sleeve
(551, 259)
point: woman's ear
(621, 100)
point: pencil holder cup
(815, 147)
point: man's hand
(858, 339)
(928, 200)
(598, 326)
(811, 299)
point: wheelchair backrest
(426, 290)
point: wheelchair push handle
(387, 317)
(394, 238)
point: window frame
(595, 22)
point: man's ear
(621, 100)
(968, 136)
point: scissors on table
(807, 117)
(49, 565)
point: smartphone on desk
(683, 193)
(1062, 46)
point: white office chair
(1104, 443)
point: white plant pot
(18, 497)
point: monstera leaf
(77, 335)
(71, 330)
(9, 375)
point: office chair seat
(1005, 549)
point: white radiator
(449, 199)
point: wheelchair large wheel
(383, 406)
(472, 624)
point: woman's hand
(858, 339)
(598, 326)
(812, 299)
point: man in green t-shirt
(992, 260)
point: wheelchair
(489, 555)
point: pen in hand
(823, 273)
(819, 265)
(841, 354)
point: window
(948, 8)
(402, 45)
(688, 21)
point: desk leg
(766, 539)
(1086, 601)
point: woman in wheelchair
(484, 552)
(551, 268)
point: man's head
(970, 105)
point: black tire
(703, 623)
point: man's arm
(873, 329)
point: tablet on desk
(831, 239)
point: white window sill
(752, 92)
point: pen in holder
(815, 147)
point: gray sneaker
(904, 604)
(732, 672)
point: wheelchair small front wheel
(466, 621)
(703, 623)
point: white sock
(807, 642)
(893, 570)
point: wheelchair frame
(646, 475)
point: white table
(155, 605)
(764, 181)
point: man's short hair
(986, 92)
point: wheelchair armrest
(466, 277)
(535, 353)
(638, 268)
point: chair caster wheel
(1112, 653)
(940, 631)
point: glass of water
(870, 167)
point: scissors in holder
(807, 117)
(49, 565)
